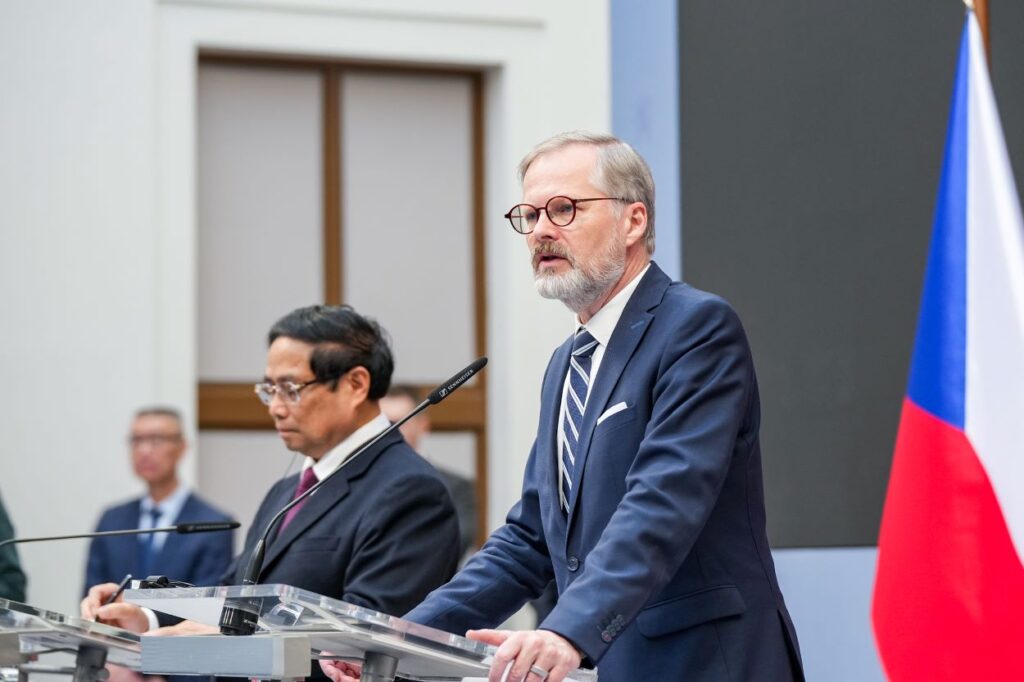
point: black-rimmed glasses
(561, 212)
(290, 391)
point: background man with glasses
(157, 445)
(383, 532)
(642, 495)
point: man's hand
(341, 671)
(119, 614)
(524, 650)
(185, 627)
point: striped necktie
(583, 347)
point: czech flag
(949, 592)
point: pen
(120, 588)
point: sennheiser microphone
(193, 527)
(239, 616)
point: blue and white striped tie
(583, 347)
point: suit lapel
(630, 329)
(323, 500)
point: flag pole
(980, 9)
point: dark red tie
(307, 481)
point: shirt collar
(170, 506)
(602, 324)
(333, 459)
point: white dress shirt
(600, 326)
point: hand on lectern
(341, 671)
(519, 651)
(120, 614)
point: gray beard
(578, 289)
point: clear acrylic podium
(27, 632)
(294, 626)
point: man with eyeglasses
(382, 533)
(157, 445)
(642, 496)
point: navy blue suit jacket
(199, 558)
(662, 564)
(382, 533)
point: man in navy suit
(642, 496)
(382, 533)
(157, 445)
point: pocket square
(614, 409)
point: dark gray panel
(812, 139)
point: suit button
(606, 636)
(573, 564)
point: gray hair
(621, 171)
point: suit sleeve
(387, 572)
(511, 568)
(701, 396)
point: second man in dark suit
(382, 533)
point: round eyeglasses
(288, 390)
(561, 212)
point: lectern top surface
(40, 631)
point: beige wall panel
(260, 207)
(237, 468)
(407, 215)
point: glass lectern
(294, 626)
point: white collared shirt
(340, 452)
(170, 509)
(601, 326)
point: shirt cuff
(151, 617)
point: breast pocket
(321, 543)
(614, 417)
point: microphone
(192, 527)
(239, 616)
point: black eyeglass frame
(512, 220)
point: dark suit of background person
(156, 447)
(662, 560)
(198, 558)
(12, 578)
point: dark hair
(160, 411)
(343, 339)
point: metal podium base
(265, 657)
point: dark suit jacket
(662, 565)
(382, 533)
(464, 496)
(199, 559)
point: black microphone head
(448, 387)
(206, 526)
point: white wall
(98, 217)
(77, 267)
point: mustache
(552, 249)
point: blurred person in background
(401, 400)
(12, 578)
(157, 445)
